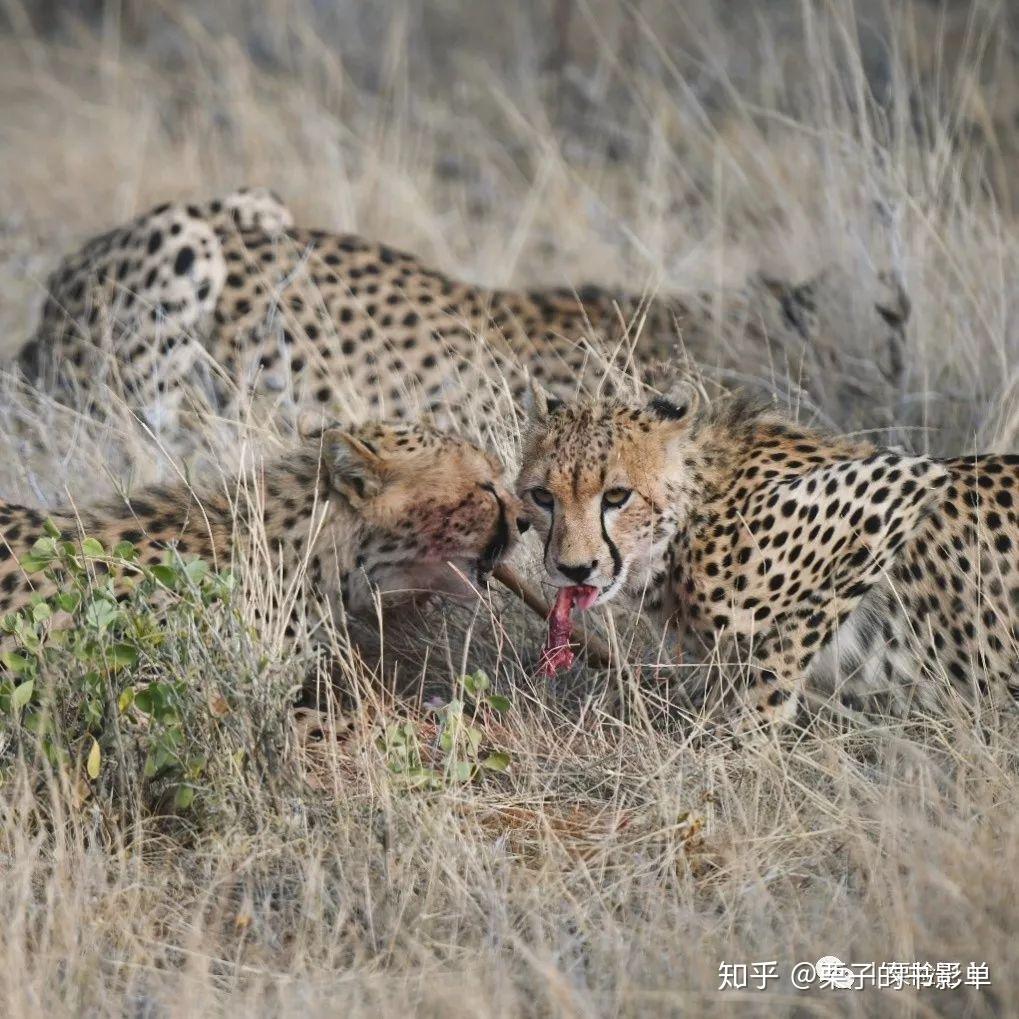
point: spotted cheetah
(397, 508)
(807, 560)
(201, 305)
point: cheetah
(143, 293)
(810, 562)
(207, 305)
(396, 508)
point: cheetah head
(434, 510)
(602, 481)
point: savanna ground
(615, 863)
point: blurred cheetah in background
(204, 304)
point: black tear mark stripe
(551, 528)
(617, 559)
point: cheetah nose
(523, 525)
(578, 574)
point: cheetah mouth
(494, 551)
(557, 654)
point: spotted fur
(127, 311)
(203, 305)
(793, 555)
(400, 508)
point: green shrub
(458, 754)
(108, 670)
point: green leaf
(30, 640)
(126, 700)
(184, 797)
(496, 762)
(32, 563)
(163, 758)
(95, 760)
(45, 548)
(395, 735)
(18, 664)
(51, 528)
(41, 612)
(93, 548)
(474, 738)
(101, 613)
(481, 681)
(418, 778)
(497, 702)
(55, 753)
(68, 601)
(196, 569)
(125, 550)
(123, 655)
(22, 694)
(164, 574)
(462, 771)
(35, 721)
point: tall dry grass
(619, 861)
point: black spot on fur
(184, 260)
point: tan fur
(793, 554)
(401, 507)
(210, 303)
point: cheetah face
(600, 482)
(436, 510)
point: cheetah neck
(291, 508)
(740, 443)
(732, 450)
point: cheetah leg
(773, 695)
(778, 667)
(131, 310)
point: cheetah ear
(540, 403)
(355, 468)
(678, 404)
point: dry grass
(618, 862)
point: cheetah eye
(542, 497)
(614, 498)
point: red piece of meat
(557, 654)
